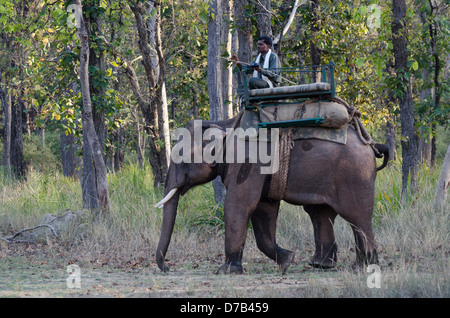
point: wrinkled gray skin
(327, 178)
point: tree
(227, 39)
(99, 195)
(15, 16)
(244, 30)
(39, 61)
(404, 95)
(68, 154)
(215, 69)
(96, 67)
(264, 21)
(278, 39)
(218, 38)
(6, 107)
(155, 110)
(440, 195)
(315, 27)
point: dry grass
(116, 252)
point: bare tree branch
(10, 239)
(290, 20)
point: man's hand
(257, 68)
(236, 61)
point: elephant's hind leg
(264, 223)
(322, 217)
(366, 250)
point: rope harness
(279, 179)
(278, 182)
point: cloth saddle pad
(249, 129)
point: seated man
(263, 78)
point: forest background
(154, 65)
(114, 78)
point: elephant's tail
(381, 150)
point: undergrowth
(412, 238)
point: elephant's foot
(284, 260)
(322, 263)
(230, 268)
(324, 260)
(364, 259)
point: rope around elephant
(279, 179)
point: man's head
(264, 44)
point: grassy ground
(115, 254)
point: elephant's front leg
(236, 224)
(242, 197)
(264, 223)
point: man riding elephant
(265, 76)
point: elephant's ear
(206, 126)
(215, 126)
(213, 144)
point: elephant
(326, 178)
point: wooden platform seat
(282, 91)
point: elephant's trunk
(170, 213)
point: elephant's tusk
(169, 196)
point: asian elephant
(327, 178)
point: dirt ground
(46, 271)
(36, 270)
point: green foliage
(388, 191)
(42, 155)
(355, 35)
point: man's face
(263, 48)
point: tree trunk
(68, 154)
(5, 99)
(226, 39)
(424, 150)
(390, 138)
(244, 31)
(157, 105)
(433, 147)
(424, 146)
(433, 29)
(16, 147)
(314, 49)
(159, 65)
(264, 11)
(440, 196)
(13, 103)
(96, 61)
(118, 153)
(409, 138)
(279, 38)
(215, 77)
(390, 119)
(6, 104)
(99, 188)
(140, 141)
